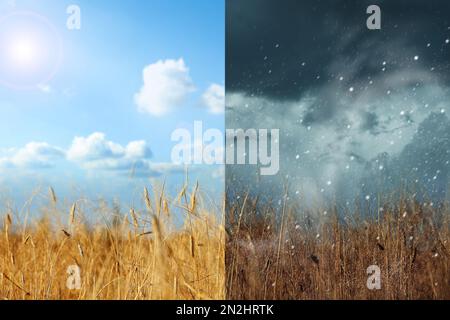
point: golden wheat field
(139, 254)
(292, 258)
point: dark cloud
(351, 104)
(282, 49)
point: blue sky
(98, 112)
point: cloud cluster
(94, 152)
(97, 147)
(286, 60)
(167, 84)
(328, 153)
(33, 155)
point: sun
(30, 50)
(23, 51)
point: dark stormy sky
(359, 111)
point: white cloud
(33, 155)
(138, 149)
(97, 148)
(94, 147)
(95, 152)
(166, 86)
(214, 99)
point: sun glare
(30, 50)
(23, 51)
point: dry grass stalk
(297, 258)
